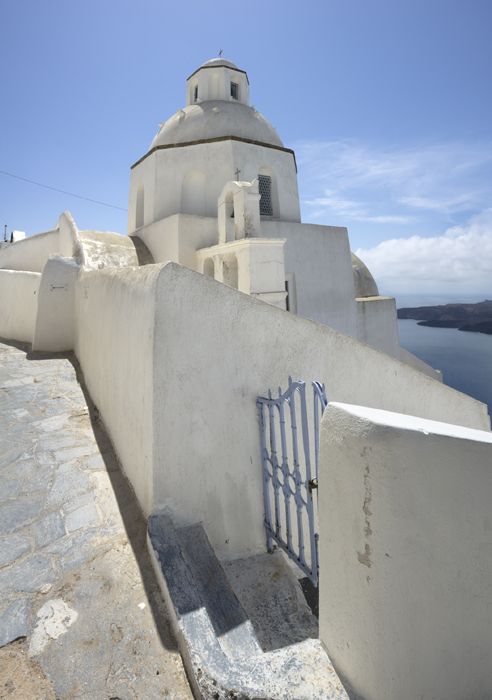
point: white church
(217, 192)
(185, 328)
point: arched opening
(193, 193)
(208, 268)
(230, 272)
(140, 208)
(267, 187)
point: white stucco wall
(405, 555)
(189, 179)
(114, 342)
(216, 350)
(18, 304)
(377, 324)
(31, 253)
(319, 258)
(414, 361)
(178, 237)
(54, 328)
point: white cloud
(393, 185)
(458, 261)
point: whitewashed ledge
(217, 642)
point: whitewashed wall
(178, 237)
(189, 179)
(54, 328)
(216, 350)
(377, 324)
(114, 342)
(18, 304)
(31, 253)
(406, 555)
(319, 259)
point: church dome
(219, 61)
(365, 285)
(212, 119)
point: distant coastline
(472, 318)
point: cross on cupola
(237, 173)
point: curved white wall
(216, 350)
(114, 342)
(406, 555)
(31, 253)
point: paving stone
(49, 529)
(65, 455)
(28, 575)
(10, 489)
(15, 514)
(78, 501)
(13, 547)
(69, 482)
(86, 516)
(93, 462)
(14, 621)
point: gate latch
(313, 484)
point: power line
(55, 189)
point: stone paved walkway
(76, 585)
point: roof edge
(214, 140)
(218, 65)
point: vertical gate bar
(309, 495)
(297, 473)
(285, 470)
(316, 429)
(274, 463)
(320, 401)
(266, 475)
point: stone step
(216, 639)
(234, 630)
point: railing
(287, 457)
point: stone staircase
(218, 643)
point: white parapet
(405, 554)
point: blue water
(465, 359)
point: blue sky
(388, 105)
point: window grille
(265, 190)
(235, 91)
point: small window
(195, 93)
(265, 190)
(235, 91)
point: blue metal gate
(288, 455)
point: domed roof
(365, 286)
(219, 61)
(215, 118)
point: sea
(465, 359)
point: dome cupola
(217, 79)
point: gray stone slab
(14, 621)
(16, 514)
(13, 547)
(48, 529)
(31, 574)
(68, 482)
(69, 453)
(84, 517)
